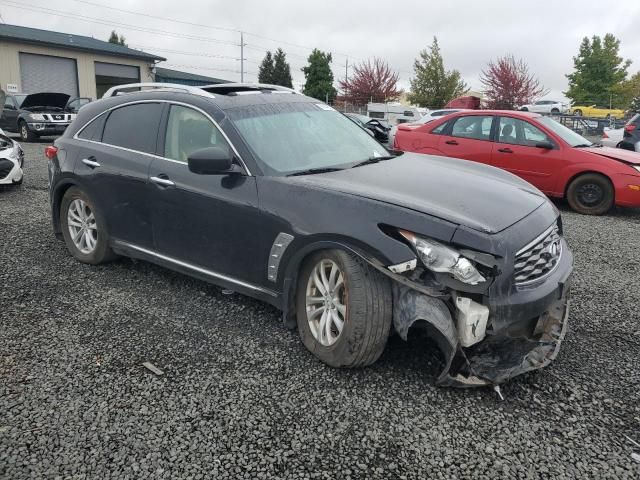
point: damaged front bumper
(524, 332)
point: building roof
(16, 33)
(178, 75)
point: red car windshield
(566, 134)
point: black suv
(39, 114)
(276, 195)
(631, 136)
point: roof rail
(157, 86)
(225, 88)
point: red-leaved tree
(508, 84)
(370, 81)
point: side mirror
(211, 161)
(545, 145)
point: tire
(100, 252)
(367, 312)
(577, 113)
(555, 111)
(591, 194)
(26, 135)
(524, 109)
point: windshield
(292, 137)
(568, 135)
(19, 99)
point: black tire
(591, 194)
(577, 113)
(368, 316)
(102, 252)
(555, 111)
(26, 135)
(524, 109)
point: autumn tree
(371, 81)
(598, 73)
(281, 70)
(433, 86)
(319, 77)
(508, 83)
(118, 40)
(265, 71)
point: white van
(394, 113)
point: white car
(612, 137)
(546, 106)
(11, 161)
(426, 118)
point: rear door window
(134, 127)
(476, 127)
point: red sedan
(538, 149)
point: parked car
(39, 114)
(355, 118)
(281, 198)
(631, 136)
(379, 128)
(538, 149)
(594, 111)
(11, 161)
(612, 137)
(393, 112)
(426, 118)
(546, 106)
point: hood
(619, 154)
(56, 100)
(466, 193)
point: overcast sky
(546, 34)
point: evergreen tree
(265, 71)
(319, 77)
(433, 86)
(598, 72)
(281, 70)
(118, 40)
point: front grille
(539, 257)
(5, 167)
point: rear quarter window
(93, 130)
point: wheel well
(55, 205)
(570, 181)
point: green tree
(319, 77)
(627, 91)
(281, 70)
(265, 71)
(113, 38)
(635, 105)
(433, 86)
(598, 73)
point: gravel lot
(241, 397)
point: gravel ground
(241, 397)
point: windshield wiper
(371, 160)
(312, 171)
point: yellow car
(596, 112)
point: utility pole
(241, 57)
(346, 79)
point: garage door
(42, 73)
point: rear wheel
(555, 111)
(83, 228)
(26, 135)
(344, 309)
(591, 194)
(577, 113)
(524, 109)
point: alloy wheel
(24, 132)
(326, 302)
(82, 226)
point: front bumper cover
(495, 359)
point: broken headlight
(440, 258)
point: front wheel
(26, 135)
(344, 309)
(590, 194)
(555, 111)
(577, 113)
(83, 228)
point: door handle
(451, 142)
(91, 162)
(165, 182)
(505, 150)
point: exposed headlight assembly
(440, 258)
(36, 117)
